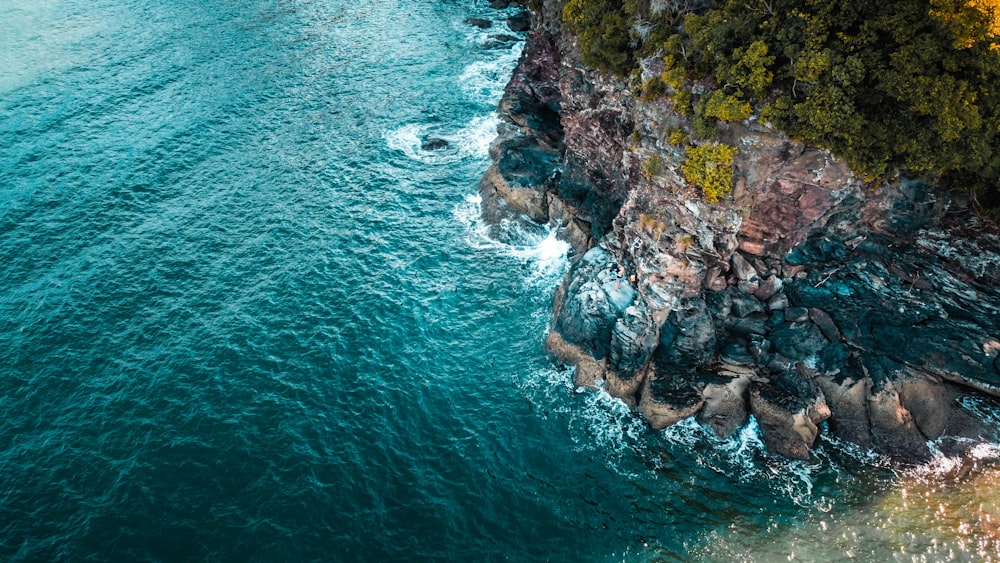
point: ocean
(249, 312)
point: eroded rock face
(807, 297)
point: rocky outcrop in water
(808, 299)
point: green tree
(603, 30)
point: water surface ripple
(246, 315)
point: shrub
(722, 106)
(652, 89)
(603, 30)
(652, 166)
(677, 137)
(710, 167)
(895, 86)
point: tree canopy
(896, 86)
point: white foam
(599, 423)
(942, 466)
(985, 410)
(545, 256)
(743, 457)
(406, 139)
(484, 81)
(857, 453)
(472, 141)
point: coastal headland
(810, 298)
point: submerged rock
(501, 41)
(433, 144)
(479, 22)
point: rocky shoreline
(807, 297)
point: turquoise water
(244, 315)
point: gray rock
(747, 327)
(433, 144)
(519, 22)
(633, 340)
(798, 341)
(500, 41)
(667, 399)
(796, 314)
(742, 269)
(760, 350)
(778, 302)
(847, 396)
(479, 22)
(736, 353)
(687, 338)
(621, 294)
(587, 316)
(725, 405)
(744, 305)
(788, 411)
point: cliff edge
(808, 298)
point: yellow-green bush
(652, 166)
(710, 167)
(603, 27)
(677, 137)
(722, 106)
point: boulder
(501, 41)
(847, 397)
(687, 338)
(667, 399)
(894, 433)
(725, 404)
(433, 144)
(479, 22)
(633, 340)
(797, 340)
(587, 315)
(519, 22)
(788, 409)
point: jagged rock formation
(807, 296)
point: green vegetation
(900, 85)
(652, 166)
(603, 28)
(677, 137)
(710, 167)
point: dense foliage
(603, 27)
(900, 85)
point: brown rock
(725, 408)
(848, 402)
(768, 288)
(894, 432)
(785, 432)
(825, 324)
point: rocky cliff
(809, 299)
